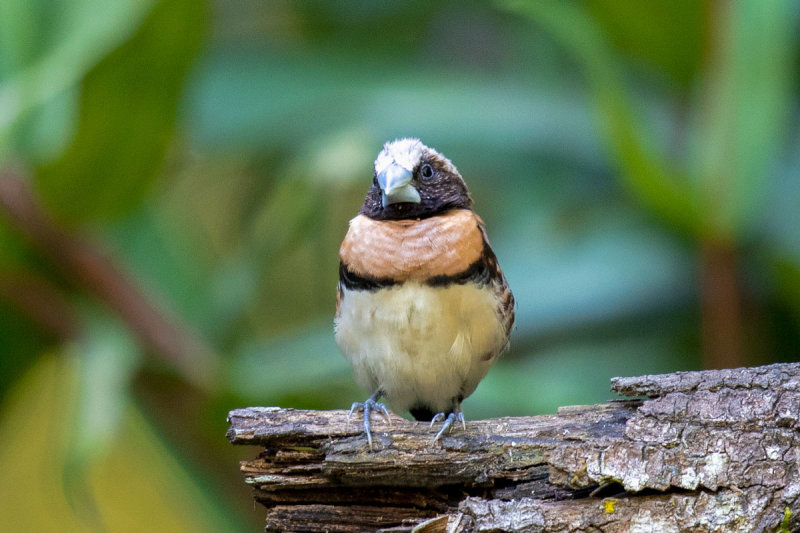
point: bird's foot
(369, 405)
(449, 419)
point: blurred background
(176, 177)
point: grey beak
(395, 183)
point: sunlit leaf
(137, 485)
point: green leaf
(645, 170)
(127, 117)
(665, 34)
(246, 101)
(108, 357)
(743, 111)
(46, 47)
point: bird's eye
(426, 171)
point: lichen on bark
(710, 451)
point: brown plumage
(443, 245)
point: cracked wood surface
(710, 451)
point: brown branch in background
(720, 290)
(86, 266)
(721, 306)
(41, 301)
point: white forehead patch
(407, 153)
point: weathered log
(710, 451)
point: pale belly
(423, 346)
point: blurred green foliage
(118, 145)
(636, 163)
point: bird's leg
(449, 419)
(367, 406)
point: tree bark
(710, 451)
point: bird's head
(413, 181)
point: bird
(423, 309)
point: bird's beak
(395, 183)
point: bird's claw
(449, 419)
(369, 405)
